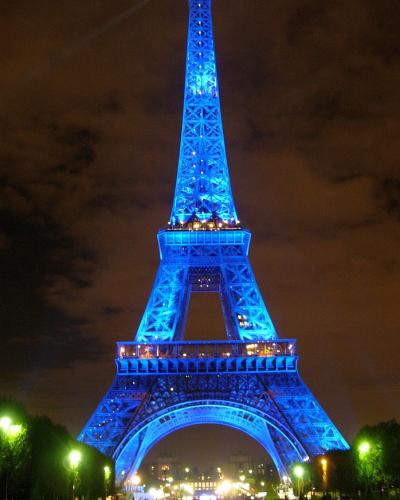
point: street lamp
(74, 459)
(8, 427)
(5, 423)
(11, 432)
(107, 475)
(136, 480)
(299, 473)
(187, 471)
(324, 465)
(363, 450)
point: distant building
(241, 464)
(163, 469)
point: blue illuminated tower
(250, 381)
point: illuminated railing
(206, 349)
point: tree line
(41, 460)
(369, 469)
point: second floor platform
(181, 357)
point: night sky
(91, 100)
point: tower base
(253, 387)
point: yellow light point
(324, 465)
(364, 447)
(136, 480)
(74, 458)
(298, 471)
(107, 471)
(242, 477)
(5, 423)
(224, 487)
(9, 428)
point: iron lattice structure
(203, 188)
(249, 382)
(213, 260)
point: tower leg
(166, 310)
(243, 303)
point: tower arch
(141, 437)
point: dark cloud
(89, 140)
(390, 193)
(34, 334)
(110, 310)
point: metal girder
(202, 185)
(208, 264)
(243, 301)
(166, 309)
(276, 409)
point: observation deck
(166, 358)
(193, 244)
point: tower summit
(250, 381)
(203, 191)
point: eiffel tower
(250, 381)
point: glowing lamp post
(107, 476)
(136, 480)
(299, 473)
(324, 466)
(11, 432)
(74, 459)
(10, 429)
(364, 449)
(5, 423)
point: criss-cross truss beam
(203, 187)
